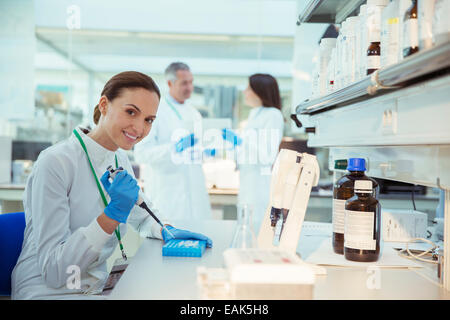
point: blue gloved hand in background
(184, 235)
(185, 142)
(210, 152)
(124, 193)
(230, 136)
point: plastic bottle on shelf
(352, 60)
(410, 30)
(363, 40)
(362, 224)
(343, 190)
(425, 12)
(390, 33)
(374, 10)
(402, 6)
(340, 79)
(441, 22)
(315, 82)
(357, 32)
(326, 45)
(331, 71)
(337, 61)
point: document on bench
(389, 257)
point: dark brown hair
(128, 79)
(266, 88)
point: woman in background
(258, 144)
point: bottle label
(373, 62)
(338, 215)
(410, 33)
(359, 230)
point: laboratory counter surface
(154, 277)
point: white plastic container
(326, 45)
(441, 22)
(390, 33)
(342, 57)
(402, 6)
(425, 11)
(363, 44)
(357, 49)
(351, 50)
(331, 71)
(337, 62)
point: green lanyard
(117, 231)
(173, 108)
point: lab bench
(320, 204)
(152, 276)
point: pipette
(140, 201)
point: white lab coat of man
(175, 185)
(261, 138)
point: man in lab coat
(173, 180)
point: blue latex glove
(124, 193)
(230, 136)
(210, 152)
(184, 235)
(185, 142)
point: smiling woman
(126, 110)
(70, 225)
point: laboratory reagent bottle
(410, 31)
(373, 57)
(343, 189)
(362, 224)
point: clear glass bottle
(362, 224)
(244, 237)
(343, 190)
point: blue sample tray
(184, 248)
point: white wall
(16, 59)
(244, 17)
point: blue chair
(12, 226)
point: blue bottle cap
(356, 164)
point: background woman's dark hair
(125, 80)
(266, 88)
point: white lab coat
(61, 204)
(176, 185)
(261, 138)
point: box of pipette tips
(184, 248)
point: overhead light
(181, 36)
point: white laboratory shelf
(329, 11)
(402, 132)
(411, 70)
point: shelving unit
(329, 11)
(398, 118)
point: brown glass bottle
(343, 189)
(373, 57)
(362, 225)
(410, 30)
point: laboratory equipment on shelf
(293, 176)
(140, 202)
